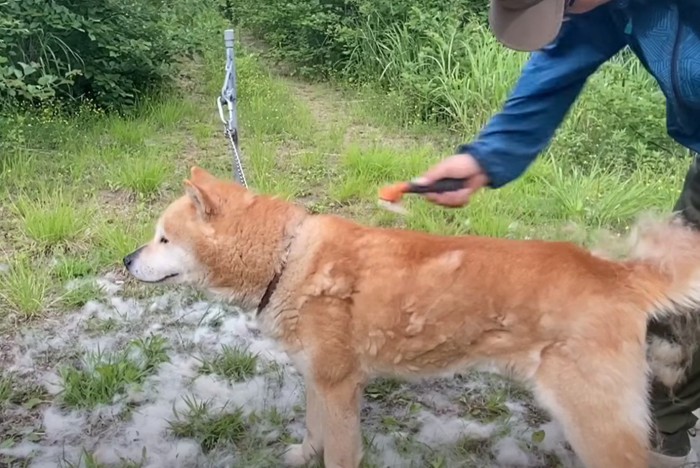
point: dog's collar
(269, 291)
(272, 285)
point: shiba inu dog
(349, 302)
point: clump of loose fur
(672, 339)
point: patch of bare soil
(332, 110)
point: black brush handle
(439, 186)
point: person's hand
(457, 166)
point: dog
(349, 302)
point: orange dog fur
(349, 302)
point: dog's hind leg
(312, 445)
(603, 408)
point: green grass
(474, 450)
(25, 289)
(168, 114)
(100, 327)
(101, 377)
(143, 174)
(20, 392)
(230, 429)
(80, 294)
(118, 237)
(6, 390)
(129, 133)
(209, 430)
(89, 460)
(234, 363)
(382, 389)
(52, 218)
(68, 267)
(486, 407)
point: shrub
(110, 52)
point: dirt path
(333, 110)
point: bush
(110, 52)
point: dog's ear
(200, 198)
(200, 176)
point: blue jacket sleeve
(549, 84)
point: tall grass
(452, 72)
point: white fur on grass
(438, 431)
(510, 453)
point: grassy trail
(101, 371)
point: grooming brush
(390, 196)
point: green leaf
(538, 436)
(7, 443)
(26, 68)
(46, 80)
(32, 403)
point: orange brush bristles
(393, 193)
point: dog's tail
(665, 256)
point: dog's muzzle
(129, 259)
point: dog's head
(219, 237)
(190, 233)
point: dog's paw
(294, 456)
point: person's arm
(548, 86)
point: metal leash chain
(238, 166)
(230, 98)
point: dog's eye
(163, 240)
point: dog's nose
(129, 259)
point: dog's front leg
(312, 445)
(342, 438)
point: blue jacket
(664, 36)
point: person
(568, 41)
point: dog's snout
(129, 259)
